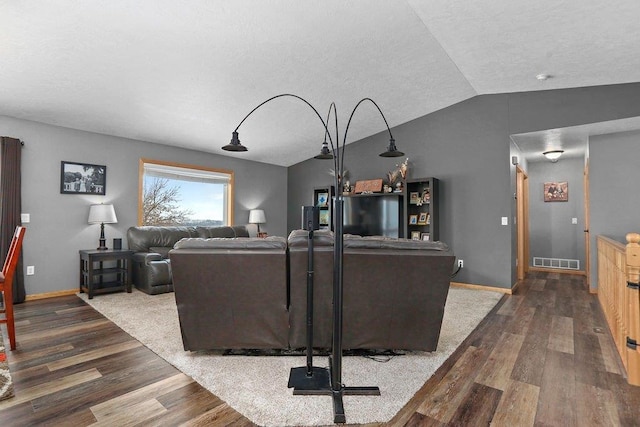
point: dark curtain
(11, 206)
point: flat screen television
(373, 215)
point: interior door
(587, 241)
(522, 221)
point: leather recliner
(151, 245)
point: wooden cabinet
(323, 198)
(421, 209)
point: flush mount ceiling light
(543, 76)
(553, 155)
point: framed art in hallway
(556, 191)
(82, 178)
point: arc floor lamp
(335, 389)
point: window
(175, 194)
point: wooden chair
(6, 283)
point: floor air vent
(566, 264)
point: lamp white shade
(257, 216)
(102, 214)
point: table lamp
(102, 214)
(257, 216)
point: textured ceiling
(185, 73)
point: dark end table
(105, 271)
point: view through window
(175, 194)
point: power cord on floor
(456, 272)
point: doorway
(522, 221)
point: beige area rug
(256, 386)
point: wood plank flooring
(542, 357)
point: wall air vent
(565, 264)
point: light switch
(25, 218)
(505, 220)
(574, 220)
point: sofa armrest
(152, 273)
(146, 257)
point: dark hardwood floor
(543, 356)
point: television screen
(372, 215)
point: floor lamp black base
(339, 416)
(302, 382)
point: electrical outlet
(31, 270)
(461, 263)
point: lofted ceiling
(185, 73)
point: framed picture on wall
(556, 191)
(83, 178)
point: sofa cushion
(224, 231)
(240, 243)
(141, 239)
(300, 238)
(380, 242)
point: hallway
(543, 356)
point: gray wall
(552, 235)
(467, 146)
(613, 189)
(458, 145)
(58, 227)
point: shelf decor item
(323, 200)
(425, 236)
(324, 217)
(422, 219)
(368, 186)
(413, 219)
(415, 235)
(414, 197)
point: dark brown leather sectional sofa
(251, 293)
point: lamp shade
(257, 216)
(102, 214)
(392, 150)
